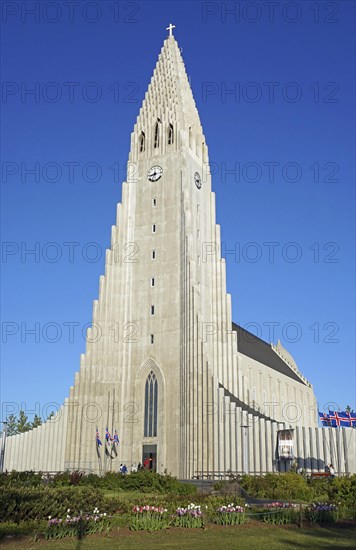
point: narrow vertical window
(170, 134)
(154, 228)
(154, 202)
(152, 310)
(153, 255)
(152, 338)
(156, 135)
(152, 281)
(141, 142)
(151, 405)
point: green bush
(21, 479)
(343, 490)
(20, 529)
(288, 486)
(28, 503)
(143, 481)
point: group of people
(299, 470)
(124, 470)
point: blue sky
(274, 90)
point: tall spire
(169, 99)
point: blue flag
(97, 437)
(324, 418)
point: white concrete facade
(163, 311)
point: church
(186, 390)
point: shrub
(27, 503)
(21, 479)
(20, 529)
(343, 490)
(278, 486)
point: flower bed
(191, 516)
(148, 518)
(230, 515)
(280, 513)
(320, 512)
(78, 525)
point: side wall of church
(276, 395)
(41, 449)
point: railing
(215, 474)
(234, 475)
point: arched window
(170, 134)
(141, 141)
(151, 404)
(156, 138)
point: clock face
(197, 180)
(154, 173)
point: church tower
(187, 390)
(149, 370)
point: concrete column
(345, 449)
(216, 432)
(339, 462)
(274, 445)
(326, 445)
(306, 450)
(8, 454)
(320, 462)
(256, 444)
(233, 457)
(262, 445)
(268, 446)
(313, 453)
(332, 447)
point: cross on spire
(170, 29)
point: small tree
(11, 428)
(36, 421)
(348, 409)
(23, 425)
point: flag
(108, 437)
(98, 443)
(334, 419)
(324, 419)
(347, 419)
(97, 438)
(115, 442)
(108, 441)
(342, 419)
(352, 418)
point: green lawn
(247, 537)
